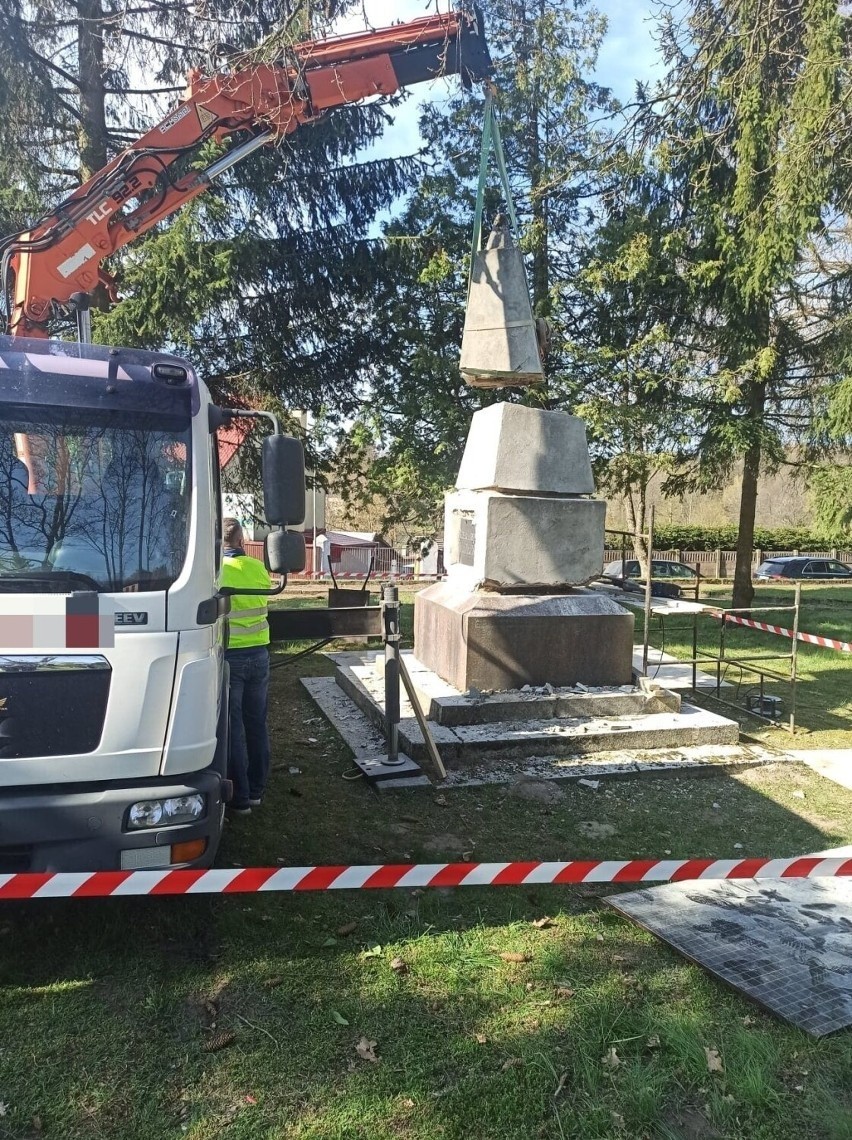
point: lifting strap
(491, 138)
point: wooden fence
(720, 563)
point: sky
(627, 53)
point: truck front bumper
(85, 829)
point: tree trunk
(743, 594)
(92, 133)
(636, 502)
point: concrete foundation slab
(526, 450)
(359, 732)
(834, 764)
(496, 641)
(517, 739)
(673, 674)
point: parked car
(660, 568)
(802, 566)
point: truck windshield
(92, 500)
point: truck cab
(113, 686)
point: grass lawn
(824, 689)
(243, 1017)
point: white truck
(113, 686)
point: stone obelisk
(522, 536)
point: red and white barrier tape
(810, 638)
(323, 577)
(100, 884)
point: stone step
(557, 736)
(444, 704)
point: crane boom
(58, 264)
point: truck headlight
(166, 812)
(183, 809)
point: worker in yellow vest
(248, 659)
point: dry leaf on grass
(714, 1061)
(366, 1050)
(514, 956)
(441, 801)
(399, 965)
(543, 923)
(347, 928)
(653, 1041)
(481, 1039)
(617, 1119)
(611, 1059)
(408, 1103)
(747, 1021)
(565, 992)
(272, 983)
(511, 1063)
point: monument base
(486, 641)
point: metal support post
(648, 586)
(394, 770)
(794, 658)
(392, 635)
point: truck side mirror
(284, 552)
(283, 480)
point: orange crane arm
(57, 264)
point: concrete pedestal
(498, 641)
(508, 541)
(525, 451)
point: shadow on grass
(107, 1007)
(594, 1031)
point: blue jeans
(249, 752)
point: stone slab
(365, 742)
(515, 541)
(582, 735)
(445, 705)
(785, 945)
(834, 764)
(494, 768)
(671, 673)
(495, 641)
(517, 739)
(518, 449)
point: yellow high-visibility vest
(247, 622)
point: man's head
(232, 534)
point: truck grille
(52, 706)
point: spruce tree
(752, 120)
